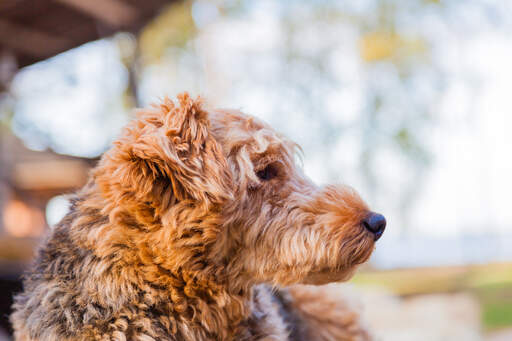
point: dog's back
(55, 304)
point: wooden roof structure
(41, 174)
(34, 30)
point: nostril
(367, 225)
(376, 224)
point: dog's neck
(174, 278)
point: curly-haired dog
(184, 228)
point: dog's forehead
(234, 129)
(235, 120)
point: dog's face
(225, 191)
(287, 229)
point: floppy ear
(166, 155)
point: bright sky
(468, 189)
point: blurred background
(407, 101)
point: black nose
(376, 224)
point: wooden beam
(115, 13)
(31, 42)
(8, 68)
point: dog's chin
(328, 276)
(358, 255)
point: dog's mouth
(329, 275)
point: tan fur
(186, 230)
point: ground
(454, 303)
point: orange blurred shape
(50, 174)
(20, 220)
(379, 46)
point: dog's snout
(375, 223)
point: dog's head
(219, 191)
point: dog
(199, 224)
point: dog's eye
(268, 173)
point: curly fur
(185, 231)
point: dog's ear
(167, 154)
